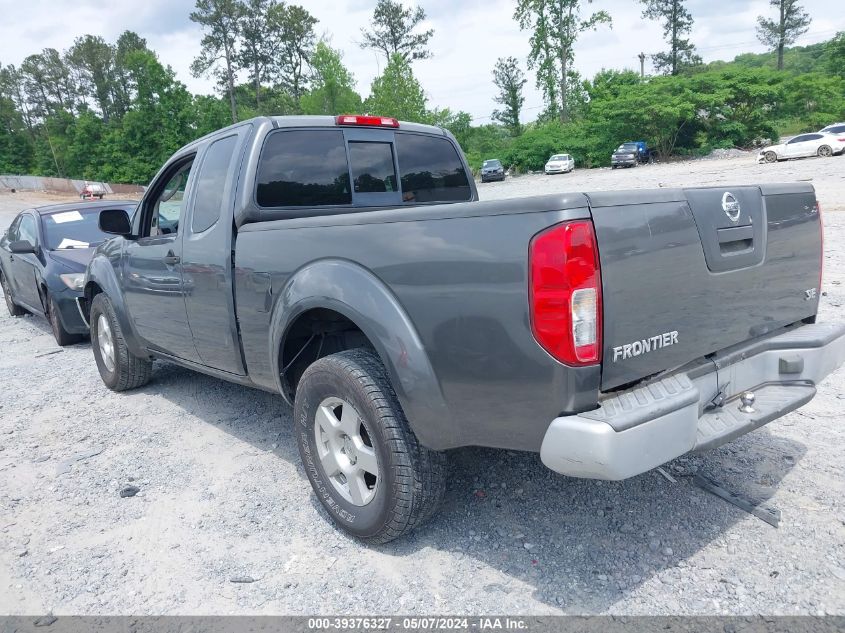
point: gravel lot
(222, 496)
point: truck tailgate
(689, 272)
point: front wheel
(770, 157)
(119, 368)
(62, 336)
(825, 151)
(363, 460)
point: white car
(803, 145)
(835, 128)
(560, 164)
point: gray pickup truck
(347, 264)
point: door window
(211, 184)
(169, 204)
(303, 168)
(28, 230)
(430, 169)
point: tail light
(371, 121)
(565, 292)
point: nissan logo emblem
(730, 205)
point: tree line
(112, 111)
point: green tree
(222, 22)
(296, 48)
(333, 86)
(92, 60)
(677, 22)
(395, 31)
(16, 143)
(128, 42)
(791, 23)
(260, 33)
(509, 80)
(161, 119)
(48, 84)
(555, 26)
(835, 50)
(397, 93)
(735, 106)
(458, 123)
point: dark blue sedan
(43, 257)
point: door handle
(171, 260)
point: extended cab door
(155, 293)
(207, 254)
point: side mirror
(21, 247)
(115, 222)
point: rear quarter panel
(459, 273)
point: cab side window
(168, 207)
(211, 184)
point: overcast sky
(468, 37)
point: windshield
(491, 163)
(72, 229)
(627, 147)
(559, 157)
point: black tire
(411, 478)
(63, 337)
(825, 151)
(129, 371)
(14, 309)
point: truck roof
(304, 120)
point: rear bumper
(638, 429)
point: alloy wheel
(105, 342)
(346, 451)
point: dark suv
(492, 170)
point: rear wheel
(62, 336)
(825, 151)
(119, 368)
(770, 157)
(362, 458)
(14, 309)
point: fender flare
(360, 296)
(101, 272)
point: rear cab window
(358, 167)
(303, 168)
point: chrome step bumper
(638, 429)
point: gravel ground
(222, 496)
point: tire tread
(132, 371)
(420, 472)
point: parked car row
(493, 170)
